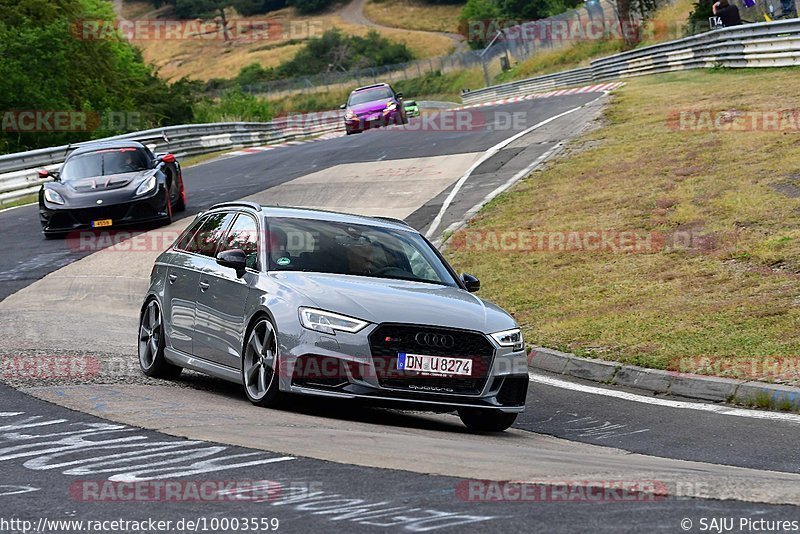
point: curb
(597, 88)
(709, 388)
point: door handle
(204, 286)
(172, 278)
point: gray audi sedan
(290, 300)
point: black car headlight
(329, 322)
(53, 197)
(147, 186)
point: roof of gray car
(324, 215)
(309, 213)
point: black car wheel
(180, 204)
(168, 209)
(260, 364)
(152, 343)
(480, 420)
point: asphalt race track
(337, 465)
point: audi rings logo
(443, 341)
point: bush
(310, 6)
(234, 105)
(334, 51)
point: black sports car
(111, 184)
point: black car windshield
(370, 95)
(354, 249)
(105, 163)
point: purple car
(373, 106)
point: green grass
(734, 295)
(27, 199)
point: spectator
(788, 8)
(729, 14)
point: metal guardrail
(19, 176)
(766, 44)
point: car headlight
(509, 338)
(53, 197)
(147, 186)
(349, 115)
(329, 322)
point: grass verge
(411, 15)
(730, 294)
(21, 201)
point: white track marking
(20, 206)
(488, 154)
(624, 395)
(488, 198)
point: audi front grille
(388, 340)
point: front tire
(166, 221)
(260, 365)
(152, 343)
(481, 420)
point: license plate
(441, 365)
(101, 222)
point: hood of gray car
(382, 300)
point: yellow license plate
(101, 222)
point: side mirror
(343, 106)
(168, 158)
(399, 95)
(470, 282)
(235, 259)
(44, 173)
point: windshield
(105, 163)
(370, 95)
(355, 249)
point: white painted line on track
(488, 198)
(488, 154)
(20, 206)
(720, 409)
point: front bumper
(60, 220)
(373, 120)
(353, 366)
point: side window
(207, 239)
(183, 241)
(244, 236)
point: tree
(47, 67)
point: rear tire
(481, 420)
(152, 343)
(180, 205)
